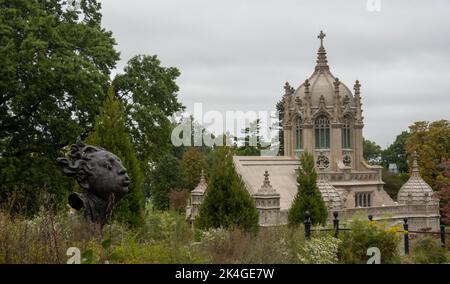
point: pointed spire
(266, 186)
(201, 186)
(415, 165)
(322, 62)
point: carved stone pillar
(358, 148)
(336, 144)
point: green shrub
(365, 234)
(319, 250)
(428, 250)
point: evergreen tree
(167, 175)
(110, 133)
(308, 197)
(253, 140)
(227, 203)
(193, 163)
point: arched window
(298, 136)
(347, 133)
(322, 132)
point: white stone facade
(322, 116)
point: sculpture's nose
(126, 180)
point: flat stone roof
(282, 175)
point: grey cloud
(237, 54)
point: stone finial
(322, 62)
(288, 89)
(202, 185)
(415, 165)
(266, 186)
(357, 87)
(306, 84)
(322, 101)
(336, 84)
(321, 36)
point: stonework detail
(196, 198)
(415, 190)
(326, 117)
(267, 202)
(322, 161)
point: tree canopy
(55, 65)
(110, 133)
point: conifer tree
(308, 197)
(227, 203)
(193, 162)
(110, 133)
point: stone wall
(420, 217)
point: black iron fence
(336, 229)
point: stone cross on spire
(321, 36)
(322, 62)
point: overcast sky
(237, 54)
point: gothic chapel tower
(323, 117)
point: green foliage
(308, 197)
(280, 109)
(165, 176)
(193, 163)
(55, 66)
(227, 203)
(393, 183)
(428, 250)
(431, 141)
(371, 151)
(365, 234)
(148, 91)
(396, 153)
(110, 133)
(253, 141)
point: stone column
(358, 146)
(336, 144)
(308, 138)
(287, 132)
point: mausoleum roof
(321, 82)
(415, 190)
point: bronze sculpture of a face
(101, 174)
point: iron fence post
(307, 225)
(336, 224)
(406, 235)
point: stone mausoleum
(324, 117)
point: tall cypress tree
(308, 197)
(227, 203)
(110, 133)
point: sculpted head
(97, 171)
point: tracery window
(347, 133)
(322, 132)
(363, 199)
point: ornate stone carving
(322, 161)
(101, 174)
(347, 160)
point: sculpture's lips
(126, 182)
